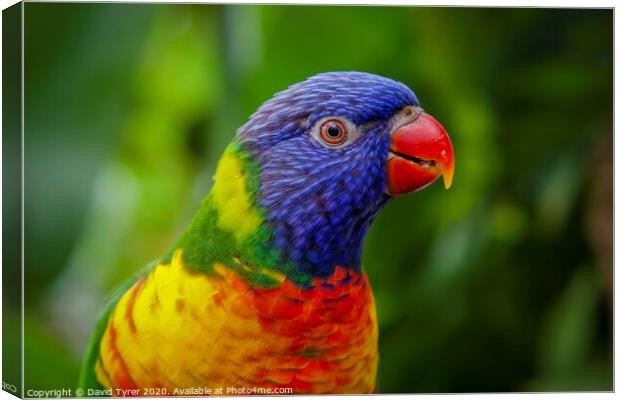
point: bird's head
(331, 151)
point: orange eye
(333, 131)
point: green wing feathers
(88, 378)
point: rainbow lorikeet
(265, 290)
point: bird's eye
(333, 131)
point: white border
(454, 3)
(444, 3)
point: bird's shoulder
(88, 379)
(165, 308)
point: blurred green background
(502, 283)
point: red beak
(420, 152)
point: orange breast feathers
(183, 332)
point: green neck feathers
(228, 228)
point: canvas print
(219, 199)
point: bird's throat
(236, 226)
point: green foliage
(501, 283)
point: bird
(264, 292)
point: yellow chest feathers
(176, 330)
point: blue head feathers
(322, 146)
